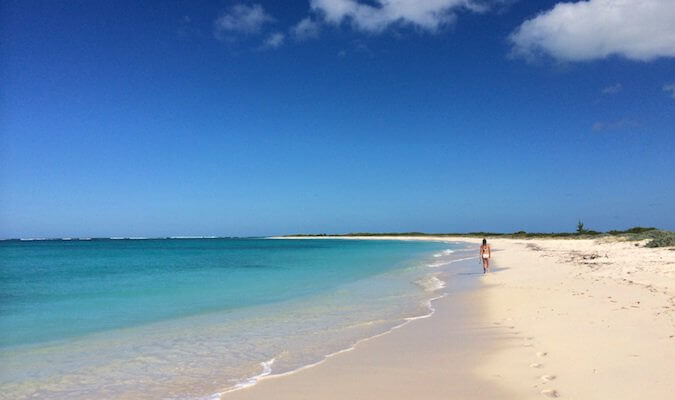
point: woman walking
(485, 255)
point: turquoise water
(192, 317)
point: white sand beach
(577, 319)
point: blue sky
(256, 118)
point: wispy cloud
(605, 126)
(274, 40)
(185, 28)
(670, 88)
(307, 28)
(241, 19)
(378, 15)
(587, 30)
(612, 89)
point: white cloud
(377, 15)
(612, 89)
(274, 40)
(241, 19)
(587, 30)
(670, 88)
(307, 28)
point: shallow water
(186, 319)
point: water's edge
(328, 299)
(267, 366)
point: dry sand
(576, 319)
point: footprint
(550, 393)
(535, 365)
(542, 354)
(547, 377)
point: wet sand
(430, 358)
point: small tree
(580, 227)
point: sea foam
(444, 253)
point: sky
(248, 118)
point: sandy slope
(578, 319)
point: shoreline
(360, 290)
(266, 374)
(458, 292)
(512, 336)
(267, 370)
(342, 375)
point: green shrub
(662, 239)
(634, 230)
(639, 229)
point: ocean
(195, 318)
